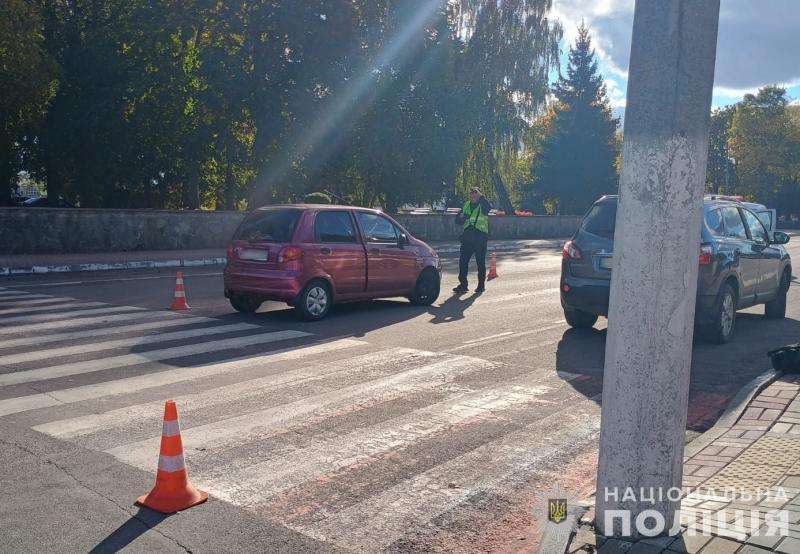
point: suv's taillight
(706, 253)
(289, 254)
(571, 251)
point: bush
(317, 198)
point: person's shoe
(480, 289)
(461, 288)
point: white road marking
(249, 485)
(236, 392)
(482, 339)
(500, 337)
(113, 280)
(125, 360)
(17, 296)
(94, 333)
(376, 522)
(41, 318)
(58, 351)
(257, 426)
(143, 382)
(51, 308)
(83, 322)
(38, 301)
(491, 299)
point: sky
(758, 44)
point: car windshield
(601, 219)
(269, 226)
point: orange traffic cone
(179, 300)
(172, 492)
(492, 267)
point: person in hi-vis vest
(474, 217)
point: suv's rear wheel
(426, 291)
(245, 304)
(777, 308)
(579, 319)
(314, 302)
(723, 320)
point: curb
(559, 542)
(188, 262)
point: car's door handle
(325, 250)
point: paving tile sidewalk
(742, 490)
(106, 261)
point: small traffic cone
(492, 267)
(172, 492)
(179, 300)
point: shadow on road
(719, 371)
(453, 308)
(138, 524)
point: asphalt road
(384, 427)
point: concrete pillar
(656, 249)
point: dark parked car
(311, 256)
(45, 202)
(742, 263)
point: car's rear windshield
(601, 219)
(276, 225)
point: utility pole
(654, 281)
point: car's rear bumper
(585, 295)
(267, 284)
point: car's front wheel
(315, 301)
(723, 320)
(579, 319)
(426, 291)
(776, 309)
(245, 304)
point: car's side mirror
(779, 237)
(402, 240)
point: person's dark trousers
(473, 243)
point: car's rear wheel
(723, 320)
(245, 304)
(776, 309)
(427, 289)
(579, 319)
(315, 301)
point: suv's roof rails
(731, 198)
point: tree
(765, 143)
(577, 156)
(27, 83)
(721, 173)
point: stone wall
(59, 231)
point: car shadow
(718, 371)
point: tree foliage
(220, 105)
(576, 146)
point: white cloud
(757, 45)
(616, 94)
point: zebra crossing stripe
(22, 296)
(378, 521)
(84, 321)
(59, 351)
(249, 485)
(103, 331)
(139, 383)
(54, 307)
(36, 301)
(35, 319)
(113, 362)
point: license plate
(254, 254)
(606, 262)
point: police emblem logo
(557, 509)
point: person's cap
(476, 189)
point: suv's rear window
(269, 226)
(601, 219)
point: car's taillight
(231, 252)
(571, 251)
(289, 254)
(706, 253)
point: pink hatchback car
(311, 256)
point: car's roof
(708, 200)
(316, 207)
